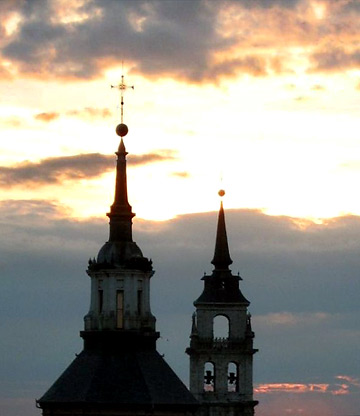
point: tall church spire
(121, 250)
(120, 212)
(119, 371)
(222, 259)
(121, 204)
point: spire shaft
(121, 202)
(222, 259)
(120, 213)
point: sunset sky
(259, 97)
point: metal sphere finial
(122, 130)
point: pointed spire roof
(221, 286)
(121, 251)
(222, 259)
(121, 204)
(120, 212)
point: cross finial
(122, 87)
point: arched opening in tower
(233, 377)
(209, 377)
(221, 327)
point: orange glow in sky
(273, 122)
(271, 146)
(257, 97)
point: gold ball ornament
(122, 130)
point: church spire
(119, 371)
(121, 203)
(221, 286)
(120, 212)
(222, 259)
(221, 362)
(120, 251)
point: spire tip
(222, 258)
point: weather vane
(122, 129)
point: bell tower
(221, 347)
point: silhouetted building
(221, 367)
(119, 371)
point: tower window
(209, 377)
(233, 378)
(139, 301)
(221, 327)
(100, 300)
(119, 309)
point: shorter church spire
(221, 286)
(221, 367)
(222, 259)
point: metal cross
(122, 87)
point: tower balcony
(202, 345)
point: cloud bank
(199, 41)
(55, 170)
(302, 282)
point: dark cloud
(159, 37)
(351, 6)
(199, 40)
(163, 156)
(301, 278)
(7, 6)
(155, 35)
(55, 170)
(14, 209)
(267, 3)
(335, 59)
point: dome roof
(117, 252)
(122, 254)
